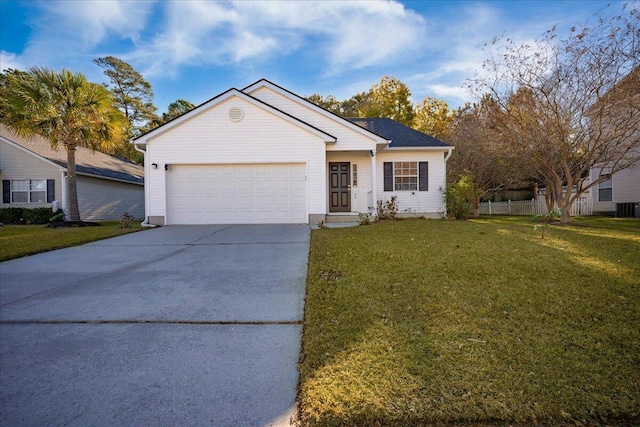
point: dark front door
(339, 187)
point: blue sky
(197, 49)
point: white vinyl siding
(626, 185)
(348, 138)
(417, 202)
(625, 188)
(212, 138)
(237, 194)
(102, 199)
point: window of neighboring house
(605, 189)
(29, 191)
(406, 176)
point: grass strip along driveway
(418, 322)
(21, 240)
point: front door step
(349, 217)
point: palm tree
(66, 109)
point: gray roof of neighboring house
(399, 134)
(88, 162)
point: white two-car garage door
(237, 194)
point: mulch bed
(72, 224)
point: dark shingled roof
(87, 161)
(399, 134)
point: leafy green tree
(433, 117)
(134, 97)
(3, 86)
(330, 103)
(177, 108)
(389, 98)
(65, 109)
(346, 108)
(351, 107)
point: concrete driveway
(180, 325)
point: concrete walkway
(181, 325)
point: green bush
(28, 216)
(11, 216)
(457, 205)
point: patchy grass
(22, 240)
(427, 322)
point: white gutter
(65, 197)
(448, 155)
(444, 204)
(144, 223)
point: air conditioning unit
(628, 210)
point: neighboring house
(266, 155)
(34, 175)
(619, 195)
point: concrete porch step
(345, 217)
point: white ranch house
(266, 155)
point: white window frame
(403, 176)
(31, 189)
(606, 185)
(354, 174)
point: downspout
(144, 223)
(444, 204)
(65, 201)
(447, 156)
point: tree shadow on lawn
(458, 336)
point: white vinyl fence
(582, 206)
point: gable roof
(88, 162)
(380, 139)
(401, 136)
(211, 103)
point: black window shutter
(6, 191)
(388, 176)
(423, 176)
(51, 190)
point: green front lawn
(424, 321)
(21, 240)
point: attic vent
(236, 114)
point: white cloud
(92, 22)
(66, 33)
(449, 76)
(347, 35)
(11, 60)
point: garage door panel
(208, 194)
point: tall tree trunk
(564, 203)
(72, 192)
(565, 214)
(476, 207)
(549, 196)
